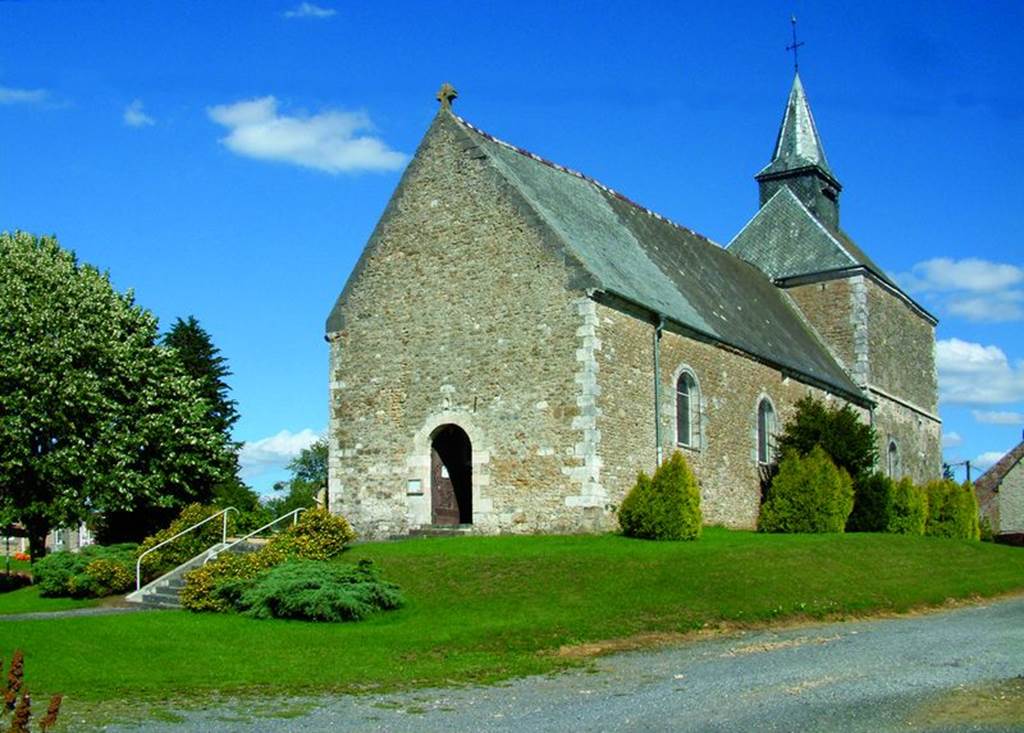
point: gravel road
(852, 676)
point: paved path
(72, 612)
(853, 676)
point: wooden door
(442, 492)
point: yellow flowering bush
(318, 535)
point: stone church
(517, 341)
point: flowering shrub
(318, 535)
(185, 547)
(93, 572)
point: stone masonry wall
(838, 312)
(901, 349)
(731, 386)
(918, 439)
(1011, 501)
(460, 312)
(890, 350)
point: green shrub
(809, 494)
(952, 510)
(312, 590)
(872, 503)
(185, 547)
(849, 442)
(318, 535)
(985, 531)
(665, 507)
(92, 572)
(14, 581)
(908, 509)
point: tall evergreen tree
(203, 361)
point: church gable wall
(460, 312)
(731, 386)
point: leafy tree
(849, 442)
(309, 476)
(95, 416)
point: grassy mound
(486, 608)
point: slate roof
(638, 255)
(798, 144)
(990, 480)
(785, 239)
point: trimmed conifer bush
(908, 508)
(312, 590)
(665, 507)
(809, 494)
(952, 510)
(872, 503)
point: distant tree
(309, 476)
(95, 416)
(947, 472)
(848, 441)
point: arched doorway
(451, 476)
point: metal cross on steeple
(794, 46)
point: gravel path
(852, 676)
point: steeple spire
(799, 160)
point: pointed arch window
(687, 410)
(765, 431)
(892, 460)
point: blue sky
(229, 160)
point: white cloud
(970, 373)
(331, 141)
(951, 440)
(972, 288)
(259, 456)
(986, 460)
(134, 116)
(309, 10)
(993, 417)
(10, 95)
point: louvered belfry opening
(451, 476)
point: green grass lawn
(481, 609)
(27, 600)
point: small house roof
(990, 480)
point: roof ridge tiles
(583, 177)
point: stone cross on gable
(446, 94)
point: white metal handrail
(294, 514)
(223, 538)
